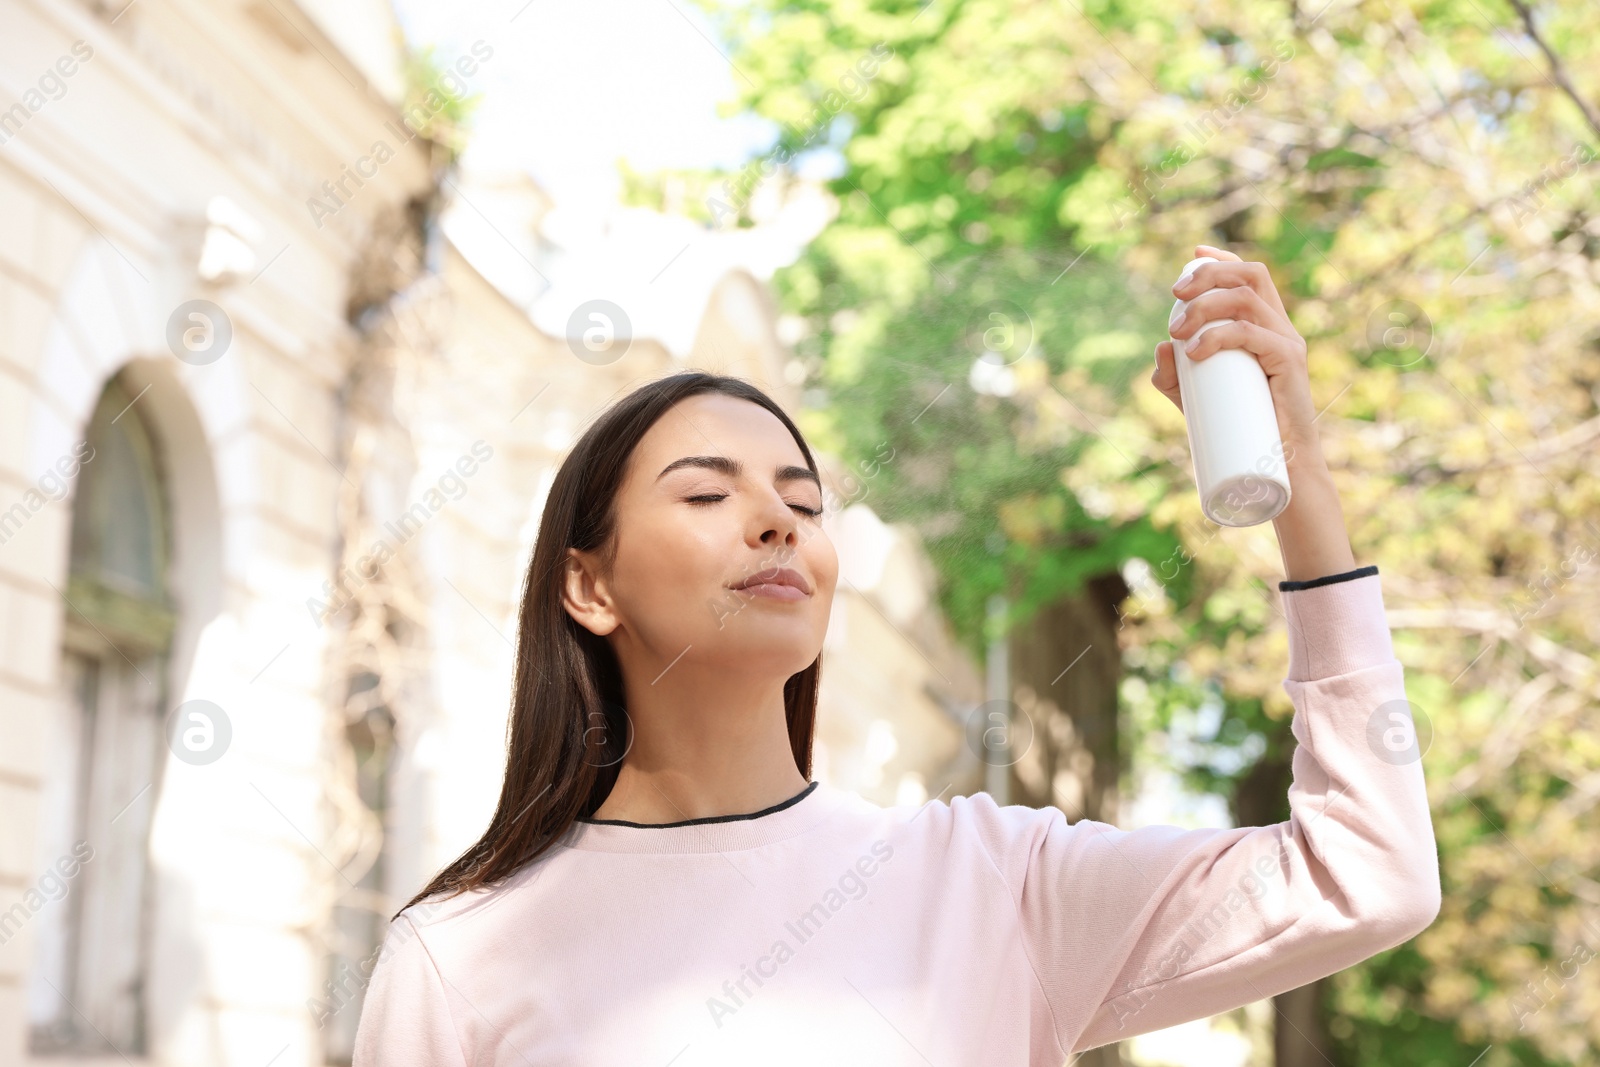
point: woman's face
(717, 493)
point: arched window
(104, 742)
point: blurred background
(301, 303)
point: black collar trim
(709, 818)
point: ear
(584, 594)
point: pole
(997, 711)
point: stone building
(243, 363)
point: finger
(1238, 303)
(1165, 376)
(1230, 276)
(1275, 351)
(1214, 251)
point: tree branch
(1558, 73)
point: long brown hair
(568, 729)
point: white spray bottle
(1233, 428)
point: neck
(705, 743)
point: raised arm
(1132, 931)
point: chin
(777, 657)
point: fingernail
(1178, 323)
(1181, 282)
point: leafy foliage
(435, 103)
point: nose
(778, 525)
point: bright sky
(573, 85)
(570, 88)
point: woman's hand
(1244, 292)
(1311, 529)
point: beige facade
(157, 907)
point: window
(86, 993)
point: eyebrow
(733, 469)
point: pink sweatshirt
(829, 930)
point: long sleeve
(1133, 931)
(405, 1019)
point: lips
(777, 576)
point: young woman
(663, 883)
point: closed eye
(712, 498)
